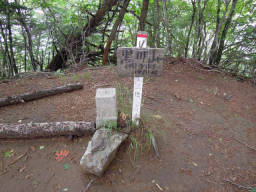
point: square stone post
(105, 106)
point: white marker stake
(137, 95)
(138, 81)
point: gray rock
(101, 150)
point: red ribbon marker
(142, 35)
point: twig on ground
(4, 172)
(214, 182)
(154, 143)
(17, 159)
(2, 164)
(158, 186)
(89, 184)
(241, 142)
(238, 185)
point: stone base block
(101, 150)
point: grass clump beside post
(142, 137)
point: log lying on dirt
(38, 94)
(34, 130)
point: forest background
(49, 35)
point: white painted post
(138, 81)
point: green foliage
(253, 189)
(52, 23)
(110, 126)
(86, 75)
(134, 146)
(124, 95)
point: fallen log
(16, 99)
(34, 130)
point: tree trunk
(200, 36)
(156, 38)
(143, 15)
(190, 28)
(39, 94)
(9, 27)
(167, 29)
(4, 60)
(10, 72)
(197, 30)
(35, 130)
(224, 32)
(30, 42)
(114, 29)
(74, 42)
(215, 43)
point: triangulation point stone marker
(105, 106)
(102, 148)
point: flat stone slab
(105, 106)
(101, 150)
(140, 61)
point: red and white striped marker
(142, 39)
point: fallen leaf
(61, 155)
(66, 166)
(191, 100)
(8, 154)
(41, 147)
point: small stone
(122, 181)
(228, 97)
(158, 117)
(22, 169)
(28, 176)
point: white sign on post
(138, 81)
(142, 39)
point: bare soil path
(203, 135)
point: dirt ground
(204, 138)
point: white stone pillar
(105, 106)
